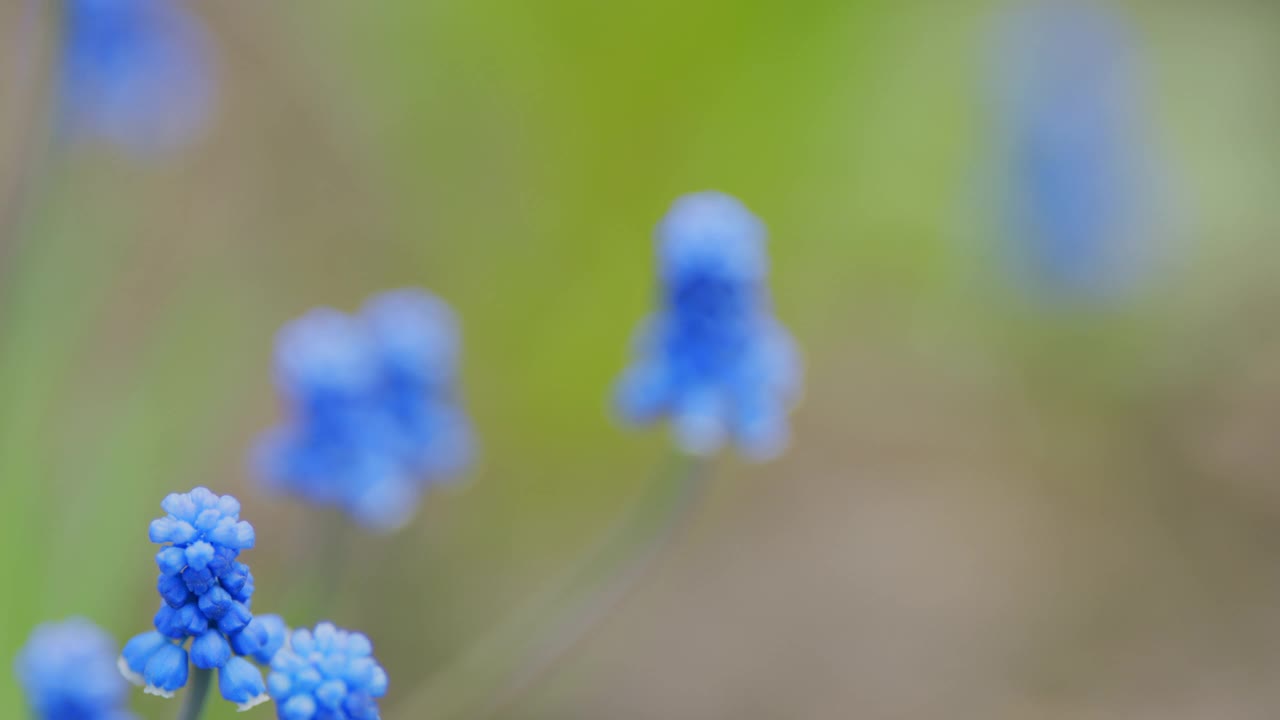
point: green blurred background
(991, 508)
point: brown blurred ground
(975, 559)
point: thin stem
(545, 629)
(197, 693)
(577, 621)
(320, 562)
(333, 568)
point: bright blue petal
(210, 650)
(241, 683)
(139, 650)
(250, 639)
(166, 670)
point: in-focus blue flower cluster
(68, 672)
(713, 358)
(206, 593)
(374, 414)
(136, 72)
(329, 674)
(1066, 107)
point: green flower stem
(321, 564)
(197, 693)
(643, 545)
(525, 647)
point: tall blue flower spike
(374, 416)
(206, 593)
(328, 674)
(136, 72)
(712, 358)
(68, 672)
(1066, 104)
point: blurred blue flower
(136, 72)
(1066, 104)
(713, 359)
(374, 415)
(329, 673)
(206, 594)
(68, 672)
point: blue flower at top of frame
(68, 672)
(712, 358)
(1066, 101)
(329, 674)
(206, 593)
(374, 415)
(136, 72)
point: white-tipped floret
(253, 702)
(158, 692)
(129, 674)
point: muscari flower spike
(374, 415)
(67, 671)
(713, 359)
(206, 593)
(136, 72)
(1066, 103)
(328, 674)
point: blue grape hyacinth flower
(68, 672)
(1066, 100)
(135, 72)
(276, 633)
(374, 416)
(206, 593)
(328, 674)
(713, 359)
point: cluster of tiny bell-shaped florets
(206, 593)
(712, 358)
(373, 412)
(326, 674)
